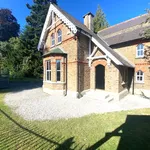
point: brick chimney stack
(88, 20)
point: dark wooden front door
(100, 77)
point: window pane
(48, 70)
(142, 52)
(48, 65)
(138, 73)
(58, 67)
(53, 42)
(48, 75)
(139, 46)
(58, 75)
(59, 39)
(59, 32)
(141, 78)
(59, 36)
(53, 39)
(58, 64)
(138, 78)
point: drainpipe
(78, 70)
(65, 71)
(133, 82)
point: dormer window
(59, 34)
(53, 39)
(140, 51)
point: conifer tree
(99, 21)
(31, 35)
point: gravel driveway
(33, 104)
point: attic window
(140, 51)
(53, 39)
(59, 34)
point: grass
(127, 130)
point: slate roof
(81, 26)
(126, 31)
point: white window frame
(52, 39)
(59, 36)
(48, 62)
(139, 50)
(139, 76)
(58, 70)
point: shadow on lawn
(17, 86)
(134, 134)
(66, 145)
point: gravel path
(33, 104)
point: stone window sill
(139, 82)
(139, 57)
(54, 82)
(59, 43)
(52, 46)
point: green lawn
(128, 130)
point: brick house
(76, 60)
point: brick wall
(112, 79)
(84, 69)
(129, 51)
(69, 46)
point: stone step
(97, 95)
(110, 99)
(100, 95)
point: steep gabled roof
(126, 31)
(76, 26)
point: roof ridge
(124, 22)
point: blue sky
(116, 10)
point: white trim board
(106, 52)
(52, 8)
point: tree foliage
(99, 21)
(31, 35)
(146, 35)
(37, 18)
(10, 51)
(19, 60)
(8, 25)
(20, 54)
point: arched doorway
(100, 77)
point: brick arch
(140, 67)
(99, 62)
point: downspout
(90, 51)
(78, 73)
(133, 82)
(89, 47)
(66, 69)
(78, 82)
